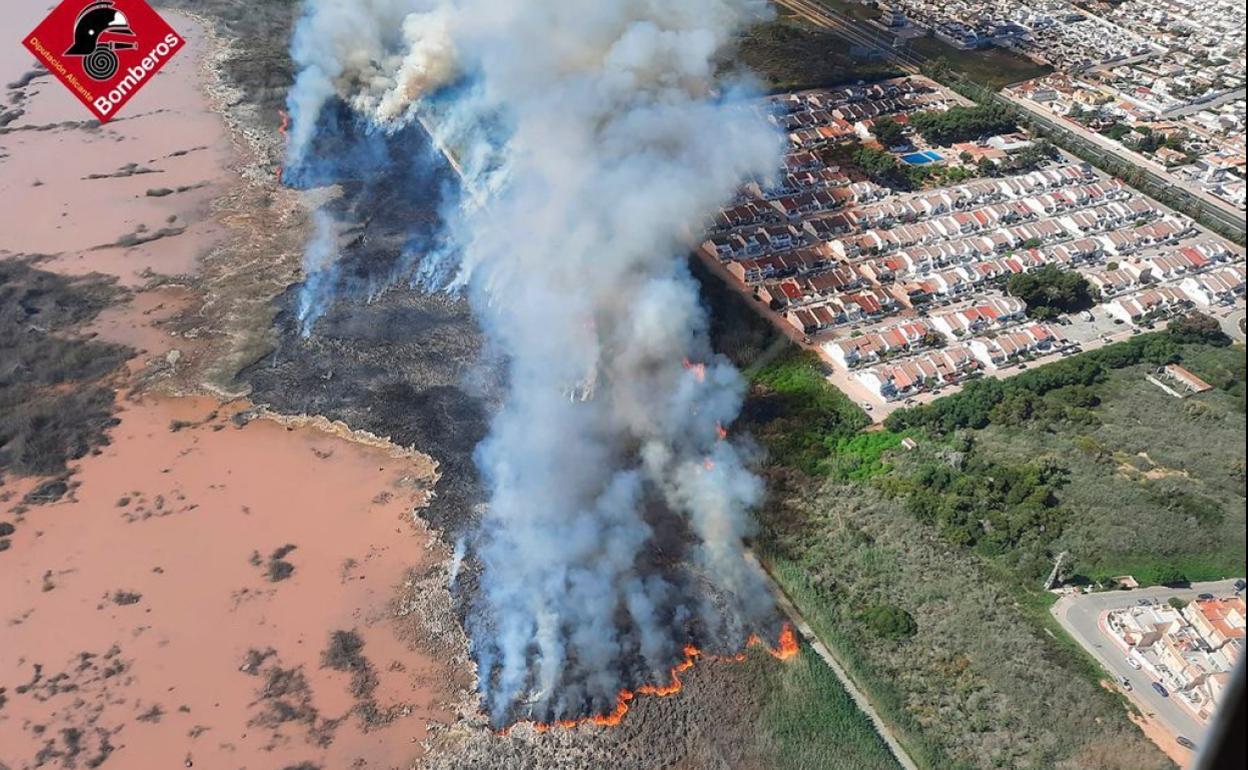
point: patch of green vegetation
(789, 54)
(798, 416)
(994, 68)
(1051, 291)
(888, 132)
(975, 501)
(861, 457)
(1155, 484)
(961, 124)
(980, 684)
(815, 724)
(890, 621)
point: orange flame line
(786, 648)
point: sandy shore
(176, 607)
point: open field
(1159, 488)
(975, 685)
(992, 67)
(788, 54)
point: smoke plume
(594, 139)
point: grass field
(788, 54)
(993, 67)
(1156, 484)
(815, 725)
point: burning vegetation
(649, 498)
(786, 648)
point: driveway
(1081, 616)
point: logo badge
(104, 51)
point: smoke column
(602, 142)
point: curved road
(1081, 617)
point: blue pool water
(922, 158)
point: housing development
(903, 292)
(1162, 80)
(1190, 649)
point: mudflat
(213, 587)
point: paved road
(1234, 325)
(1213, 206)
(1081, 616)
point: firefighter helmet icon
(94, 23)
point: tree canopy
(960, 124)
(1050, 291)
(888, 132)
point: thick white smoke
(321, 268)
(610, 142)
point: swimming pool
(922, 158)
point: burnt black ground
(403, 364)
(397, 361)
(56, 403)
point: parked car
(1133, 663)
(1205, 597)
(1144, 602)
(1126, 683)
(1161, 690)
(1185, 743)
(1239, 586)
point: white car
(1133, 663)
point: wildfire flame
(721, 430)
(282, 129)
(785, 649)
(699, 370)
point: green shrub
(890, 621)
